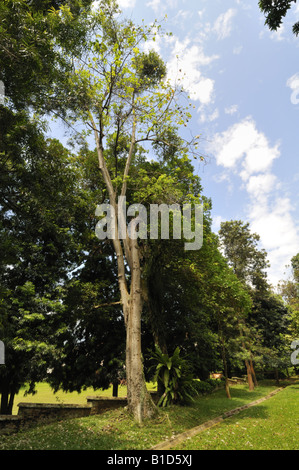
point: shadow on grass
(75, 434)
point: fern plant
(175, 375)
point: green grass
(44, 394)
(116, 430)
(271, 425)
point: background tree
(93, 342)
(249, 264)
(37, 43)
(38, 206)
(271, 320)
(240, 246)
(41, 232)
(289, 291)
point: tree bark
(247, 364)
(227, 390)
(115, 389)
(140, 403)
(253, 373)
(276, 376)
(249, 376)
(7, 400)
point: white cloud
(274, 223)
(225, 178)
(231, 109)
(260, 186)
(237, 50)
(184, 66)
(223, 24)
(245, 151)
(242, 141)
(293, 84)
(126, 3)
(121, 3)
(293, 81)
(217, 222)
(161, 6)
(154, 4)
(204, 117)
(279, 34)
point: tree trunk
(249, 376)
(227, 390)
(247, 364)
(140, 403)
(276, 376)
(115, 389)
(253, 374)
(7, 400)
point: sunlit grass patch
(271, 425)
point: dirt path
(166, 445)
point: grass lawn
(115, 430)
(271, 425)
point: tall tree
(270, 318)
(240, 246)
(289, 291)
(249, 264)
(121, 94)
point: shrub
(174, 373)
(202, 387)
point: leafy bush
(205, 386)
(175, 375)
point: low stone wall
(101, 404)
(237, 380)
(51, 411)
(9, 424)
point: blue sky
(244, 82)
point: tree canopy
(275, 12)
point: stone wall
(9, 424)
(101, 404)
(51, 411)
